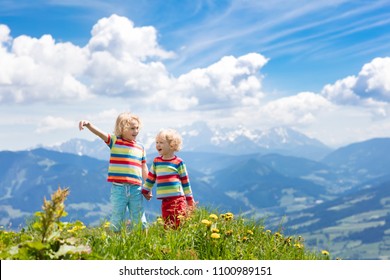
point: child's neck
(168, 156)
(128, 140)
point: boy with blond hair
(127, 168)
(173, 184)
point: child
(173, 185)
(127, 168)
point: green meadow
(205, 234)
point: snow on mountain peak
(199, 136)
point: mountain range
(339, 201)
(200, 137)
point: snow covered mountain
(241, 140)
(200, 137)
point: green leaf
(70, 249)
(37, 245)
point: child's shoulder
(140, 144)
(179, 159)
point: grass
(204, 235)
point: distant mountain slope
(29, 176)
(96, 149)
(290, 165)
(363, 160)
(355, 224)
(258, 188)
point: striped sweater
(171, 177)
(126, 161)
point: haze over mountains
(338, 200)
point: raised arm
(95, 130)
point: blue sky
(321, 67)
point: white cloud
(369, 89)
(300, 109)
(110, 114)
(124, 60)
(41, 70)
(229, 82)
(341, 92)
(121, 60)
(45, 51)
(344, 124)
(118, 36)
(50, 123)
(4, 34)
(118, 60)
(372, 82)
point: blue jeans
(123, 197)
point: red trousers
(171, 208)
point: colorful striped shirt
(172, 179)
(126, 161)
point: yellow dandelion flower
(229, 216)
(288, 240)
(206, 222)
(76, 228)
(325, 253)
(249, 232)
(245, 239)
(268, 231)
(215, 235)
(214, 230)
(213, 217)
(298, 245)
(277, 234)
(229, 232)
(106, 224)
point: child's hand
(148, 195)
(191, 204)
(190, 201)
(83, 123)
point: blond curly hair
(123, 121)
(173, 138)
